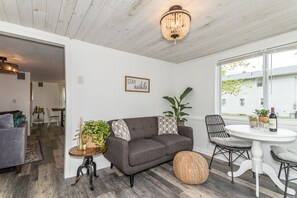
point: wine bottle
(272, 121)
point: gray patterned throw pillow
(121, 130)
(167, 125)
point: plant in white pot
(178, 107)
(253, 120)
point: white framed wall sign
(137, 84)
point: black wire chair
(286, 165)
(224, 144)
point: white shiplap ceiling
(133, 25)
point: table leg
(244, 166)
(62, 119)
(257, 159)
(79, 170)
(94, 168)
(91, 176)
(272, 174)
(90, 166)
(257, 183)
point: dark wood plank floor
(45, 178)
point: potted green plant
(178, 107)
(263, 115)
(98, 130)
(253, 120)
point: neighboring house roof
(281, 71)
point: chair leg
(280, 169)
(212, 157)
(287, 181)
(49, 123)
(231, 165)
(131, 180)
(229, 158)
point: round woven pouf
(190, 167)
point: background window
(238, 84)
(259, 83)
(283, 83)
(242, 102)
(243, 77)
(261, 101)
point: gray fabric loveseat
(146, 148)
(13, 143)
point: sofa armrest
(117, 152)
(185, 131)
(13, 144)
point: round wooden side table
(88, 162)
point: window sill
(287, 124)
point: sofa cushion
(145, 127)
(174, 143)
(121, 130)
(167, 125)
(6, 121)
(145, 150)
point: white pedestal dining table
(258, 166)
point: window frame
(225, 102)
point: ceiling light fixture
(6, 67)
(175, 24)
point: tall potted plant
(98, 130)
(178, 107)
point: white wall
(15, 94)
(102, 94)
(47, 96)
(201, 74)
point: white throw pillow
(167, 125)
(121, 130)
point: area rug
(34, 152)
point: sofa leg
(111, 165)
(18, 168)
(131, 180)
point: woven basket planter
(190, 167)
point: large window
(260, 80)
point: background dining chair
(288, 159)
(224, 144)
(51, 118)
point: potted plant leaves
(253, 120)
(178, 107)
(263, 115)
(98, 130)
